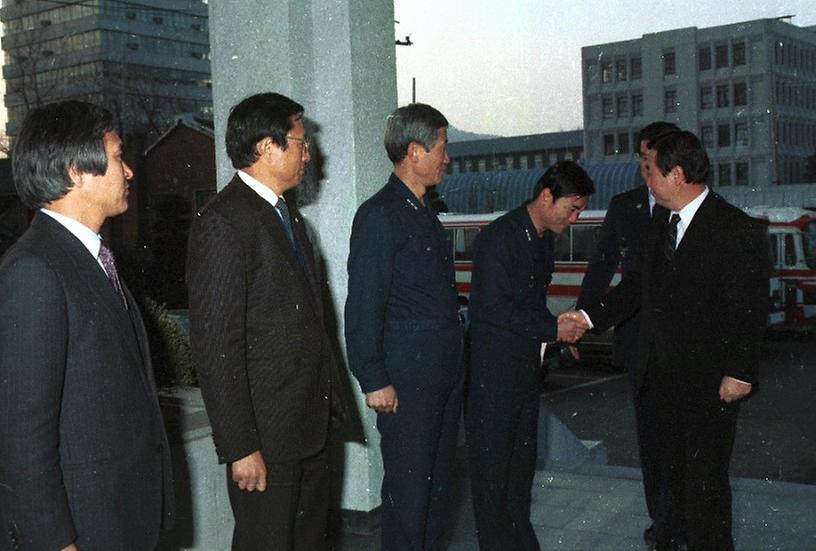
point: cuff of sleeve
(373, 379)
(549, 329)
(586, 317)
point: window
(584, 241)
(637, 105)
(707, 136)
(740, 93)
(635, 69)
(609, 144)
(741, 174)
(607, 107)
(704, 58)
(724, 174)
(723, 135)
(722, 95)
(623, 143)
(158, 20)
(623, 106)
(464, 243)
(740, 134)
(738, 54)
(721, 56)
(668, 63)
(620, 70)
(606, 71)
(670, 101)
(706, 98)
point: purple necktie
(106, 258)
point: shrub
(169, 347)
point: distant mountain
(456, 135)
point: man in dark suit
(262, 353)
(620, 243)
(403, 334)
(703, 296)
(85, 461)
(513, 263)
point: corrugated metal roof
(482, 192)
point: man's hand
(732, 390)
(571, 326)
(71, 547)
(383, 400)
(250, 472)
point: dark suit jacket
(83, 448)
(703, 315)
(620, 243)
(259, 345)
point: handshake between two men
(571, 326)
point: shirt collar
(687, 213)
(402, 190)
(86, 235)
(267, 194)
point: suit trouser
(696, 448)
(418, 443)
(290, 515)
(502, 427)
(647, 431)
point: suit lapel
(698, 231)
(273, 226)
(89, 273)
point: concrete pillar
(337, 58)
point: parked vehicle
(792, 249)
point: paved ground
(602, 508)
(588, 508)
(776, 438)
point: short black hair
(563, 179)
(653, 130)
(683, 149)
(254, 118)
(53, 139)
(417, 123)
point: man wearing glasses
(263, 357)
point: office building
(747, 89)
(515, 152)
(145, 60)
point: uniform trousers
(418, 443)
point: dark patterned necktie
(283, 210)
(670, 244)
(106, 258)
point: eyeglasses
(305, 141)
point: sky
(513, 67)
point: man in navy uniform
(403, 333)
(512, 267)
(620, 243)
